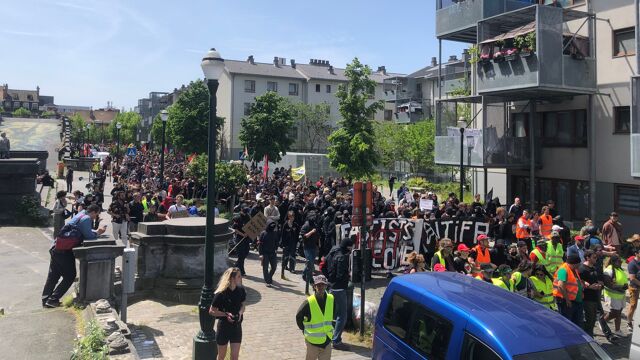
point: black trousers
(62, 265)
(243, 252)
(289, 255)
(269, 259)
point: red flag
(265, 168)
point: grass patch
(353, 337)
(67, 301)
(92, 345)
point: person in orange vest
(568, 290)
(523, 228)
(539, 254)
(480, 254)
(546, 222)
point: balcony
(536, 52)
(456, 20)
(490, 143)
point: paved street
(29, 331)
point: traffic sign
(131, 151)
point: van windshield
(586, 351)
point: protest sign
(426, 204)
(255, 226)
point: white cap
(556, 228)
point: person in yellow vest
(480, 253)
(555, 252)
(520, 278)
(542, 291)
(504, 281)
(539, 254)
(315, 318)
(615, 289)
(443, 256)
(546, 222)
(568, 290)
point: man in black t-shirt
(592, 287)
(136, 212)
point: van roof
(505, 319)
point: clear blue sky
(90, 52)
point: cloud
(30, 34)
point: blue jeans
(310, 254)
(340, 303)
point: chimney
(465, 54)
(276, 61)
(250, 60)
(434, 61)
(453, 58)
(293, 63)
(382, 69)
(330, 69)
(38, 90)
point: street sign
(131, 151)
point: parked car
(453, 316)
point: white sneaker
(619, 333)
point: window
(317, 87)
(430, 334)
(293, 89)
(272, 86)
(388, 114)
(372, 93)
(564, 3)
(398, 316)
(474, 349)
(571, 196)
(250, 86)
(627, 199)
(328, 89)
(247, 109)
(624, 42)
(419, 87)
(564, 128)
(622, 119)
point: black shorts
(228, 333)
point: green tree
(419, 145)
(351, 150)
(130, 121)
(266, 130)
(78, 125)
(313, 122)
(156, 132)
(229, 176)
(21, 112)
(188, 124)
(388, 143)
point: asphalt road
(27, 330)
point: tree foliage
(21, 112)
(266, 130)
(78, 125)
(130, 121)
(314, 123)
(412, 143)
(229, 176)
(188, 124)
(351, 150)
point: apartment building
(551, 87)
(314, 83)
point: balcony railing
(635, 126)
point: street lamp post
(88, 140)
(204, 345)
(461, 163)
(118, 127)
(164, 115)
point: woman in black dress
(228, 308)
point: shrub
(28, 211)
(48, 114)
(92, 345)
(21, 112)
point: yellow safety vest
(145, 205)
(546, 288)
(440, 258)
(500, 283)
(320, 326)
(542, 260)
(554, 257)
(621, 279)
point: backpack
(69, 237)
(331, 264)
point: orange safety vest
(570, 286)
(521, 231)
(545, 227)
(482, 257)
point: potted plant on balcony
(526, 44)
(486, 52)
(509, 50)
(498, 56)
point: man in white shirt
(271, 211)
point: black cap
(573, 259)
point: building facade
(13, 99)
(552, 89)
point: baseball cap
(578, 238)
(463, 247)
(439, 268)
(556, 228)
(555, 233)
(521, 243)
(482, 237)
(541, 242)
(320, 279)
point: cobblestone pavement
(164, 330)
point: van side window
(430, 334)
(474, 349)
(398, 316)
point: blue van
(455, 317)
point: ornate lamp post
(164, 115)
(204, 345)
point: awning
(522, 30)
